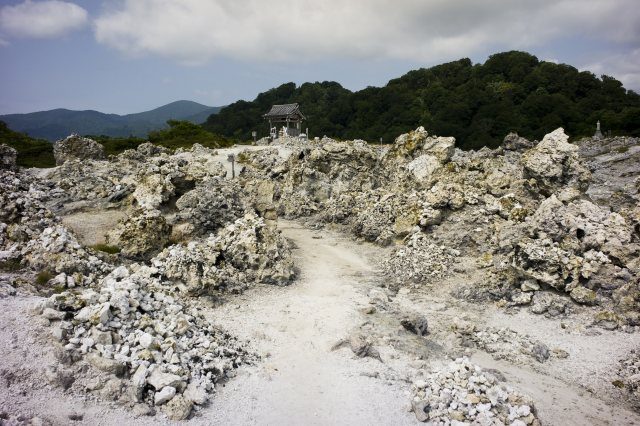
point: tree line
(477, 103)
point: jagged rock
(153, 190)
(77, 147)
(149, 149)
(615, 167)
(244, 252)
(418, 260)
(583, 295)
(159, 380)
(141, 234)
(107, 365)
(360, 346)
(555, 162)
(8, 157)
(513, 142)
(164, 395)
(212, 204)
(416, 324)
(196, 393)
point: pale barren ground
(301, 380)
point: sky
(126, 56)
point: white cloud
(623, 66)
(42, 19)
(194, 31)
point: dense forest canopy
(478, 104)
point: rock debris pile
(629, 377)
(462, 393)
(154, 347)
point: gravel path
(303, 381)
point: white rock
(164, 395)
(52, 314)
(196, 393)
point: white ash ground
(516, 226)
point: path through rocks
(304, 381)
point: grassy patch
(106, 248)
(43, 277)
(622, 149)
(242, 158)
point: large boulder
(75, 146)
(140, 235)
(555, 163)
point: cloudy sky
(126, 56)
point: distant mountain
(59, 123)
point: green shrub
(43, 277)
(106, 248)
(242, 158)
(183, 134)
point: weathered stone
(583, 295)
(107, 365)
(164, 395)
(416, 324)
(8, 158)
(196, 393)
(159, 379)
(178, 408)
(77, 147)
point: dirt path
(303, 381)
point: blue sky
(125, 56)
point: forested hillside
(478, 104)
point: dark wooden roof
(285, 111)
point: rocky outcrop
(554, 163)
(243, 253)
(141, 234)
(213, 203)
(8, 157)
(615, 167)
(77, 147)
